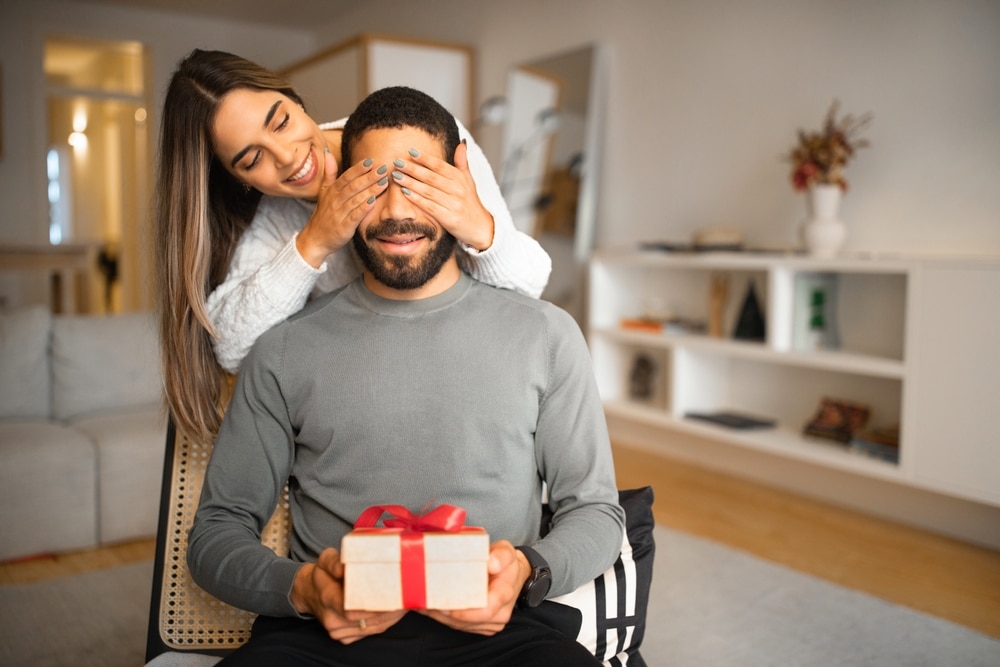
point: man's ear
(461, 159)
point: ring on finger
(362, 624)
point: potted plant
(818, 162)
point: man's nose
(398, 205)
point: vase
(824, 232)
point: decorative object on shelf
(717, 239)
(815, 312)
(750, 325)
(837, 420)
(818, 162)
(823, 232)
(717, 295)
(642, 378)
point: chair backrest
(183, 617)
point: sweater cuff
(491, 259)
(289, 278)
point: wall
(706, 97)
(24, 24)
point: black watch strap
(539, 581)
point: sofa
(82, 431)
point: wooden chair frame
(182, 616)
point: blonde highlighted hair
(200, 212)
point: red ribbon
(444, 518)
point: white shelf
(730, 261)
(831, 360)
(916, 343)
(780, 440)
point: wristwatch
(539, 581)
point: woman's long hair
(200, 212)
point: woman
(252, 219)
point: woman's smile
(308, 169)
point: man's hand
(447, 194)
(318, 590)
(508, 570)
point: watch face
(539, 582)
(538, 587)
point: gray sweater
(473, 397)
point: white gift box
(450, 574)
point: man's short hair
(398, 107)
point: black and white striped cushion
(612, 607)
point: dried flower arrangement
(820, 157)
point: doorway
(97, 160)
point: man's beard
(403, 272)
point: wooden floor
(50, 567)
(933, 574)
(924, 571)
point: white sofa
(82, 431)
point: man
(414, 385)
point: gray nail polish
(383, 180)
(371, 200)
(414, 152)
(406, 191)
(398, 175)
(399, 163)
(384, 168)
(368, 162)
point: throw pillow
(24, 363)
(610, 611)
(104, 361)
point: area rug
(93, 619)
(711, 606)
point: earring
(246, 188)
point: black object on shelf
(750, 325)
(737, 420)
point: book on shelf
(673, 326)
(732, 419)
(880, 444)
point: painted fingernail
(406, 191)
(399, 163)
(326, 149)
(369, 162)
(398, 175)
(371, 200)
(383, 180)
(414, 152)
(384, 168)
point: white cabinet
(917, 343)
(333, 81)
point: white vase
(824, 232)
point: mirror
(550, 158)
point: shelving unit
(894, 353)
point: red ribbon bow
(444, 518)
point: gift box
(427, 561)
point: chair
(190, 628)
(187, 626)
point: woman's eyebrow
(267, 121)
